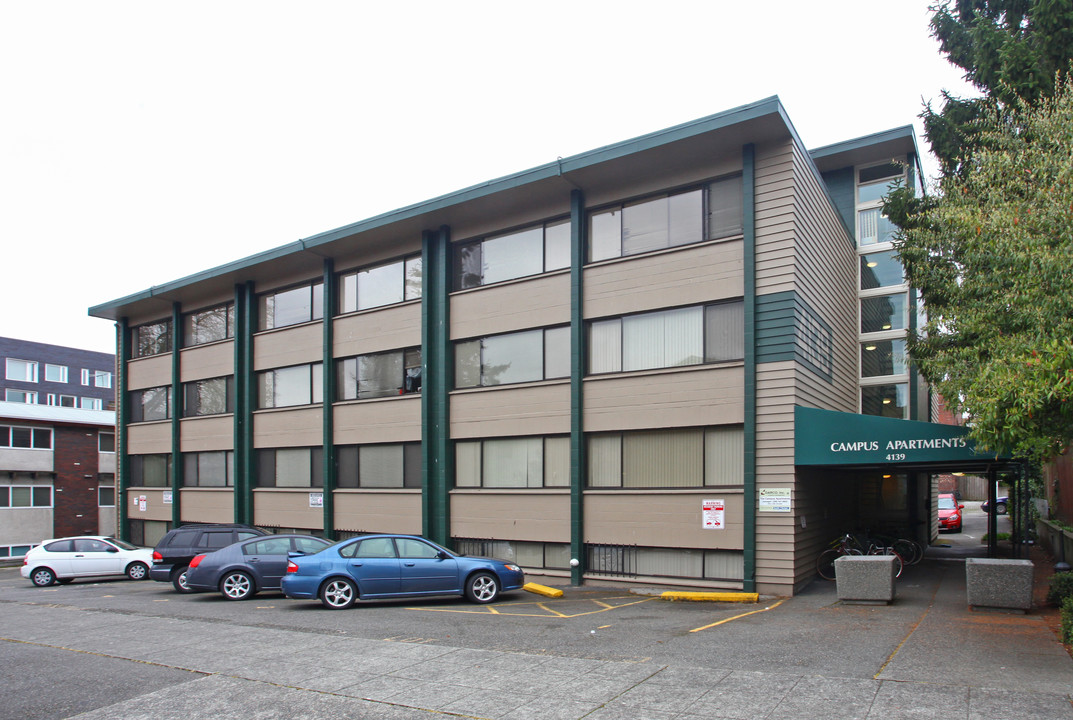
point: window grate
(619, 560)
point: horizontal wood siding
(683, 276)
(396, 511)
(661, 519)
(202, 434)
(775, 469)
(286, 509)
(155, 509)
(149, 438)
(207, 361)
(506, 411)
(202, 505)
(677, 398)
(289, 346)
(390, 328)
(775, 220)
(541, 516)
(378, 421)
(288, 428)
(149, 372)
(534, 302)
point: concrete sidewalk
(927, 655)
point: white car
(64, 559)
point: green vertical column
(244, 402)
(749, 251)
(577, 392)
(437, 370)
(176, 413)
(122, 422)
(328, 377)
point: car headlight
(512, 567)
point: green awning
(827, 437)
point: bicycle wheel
(825, 563)
(910, 551)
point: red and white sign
(713, 514)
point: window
(21, 370)
(26, 496)
(14, 551)
(290, 467)
(286, 387)
(873, 182)
(102, 379)
(151, 339)
(379, 466)
(150, 404)
(521, 253)
(881, 269)
(106, 442)
(150, 470)
(62, 400)
(528, 462)
(667, 221)
(25, 437)
(889, 400)
(206, 326)
(883, 313)
(554, 556)
(106, 490)
(518, 357)
(883, 357)
(689, 457)
(386, 284)
(209, 469)
(20, 396)
(91, 403)
(291, 307)
(378, 375)
(55, 373)
(215, 396)
(668, 338)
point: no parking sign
(713, 514)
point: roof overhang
(889, 144)
(828, 438)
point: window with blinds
(689, 457)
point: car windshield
(946, 503)
(121, 544)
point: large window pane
(293, 468)
(644, 226)
(605, 461)
(663, 459)
(883, 357)
(605, 235)
(381, 466)
(514, 463)
(467, 464)
(382, 285)
(468, 364)
(881, 269)
(557, 246)
(725, 208)
(557, 462)
(724, 456)
(155, 403)
(605, 346)
(514, 358)
(285, 387)
(379, 375)
(885, 400)
(414, 274)
(724, 332)
(468, 267)
(671, 338)
(412, 475)
(512, 256)
(557, 352)
(685, 218)
(883, 313)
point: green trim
(327, 404)
(578, 462)
(122, 424)
(437, 459)
(749, 280)
(244, 402)
(902, 134)
(788, 329)
(177, 403)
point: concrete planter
(996, 583)
(865, 579)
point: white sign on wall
(775, 500)
(167, 497)
(713, 514)
(316, 500)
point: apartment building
(668, 359)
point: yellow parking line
(505, 609)
(736, 617)
(542, 606)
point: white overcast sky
(141, 142)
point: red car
(949, 513)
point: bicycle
(825, 563)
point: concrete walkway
(927, 655)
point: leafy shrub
(1067, 620)
(1061, 588)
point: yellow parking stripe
(736, 617)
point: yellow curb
(738, 597)
(542, 590)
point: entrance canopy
(830, 438)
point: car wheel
(137, 571)
(1000, 508)
(237, 586)
(178, 580)
(482, 588)
(42, 577)
(338, 594)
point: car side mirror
(113, 550)
(441, 555)
(961, 507)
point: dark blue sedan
(242, 570)
(395, 566)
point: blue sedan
(395, 566)
(241, 570)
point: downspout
(244, 402)
(749, 410)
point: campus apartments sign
(826, 437)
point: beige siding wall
(775, 221)
(542, 516)
(378, 421)
(149, 438)
(682, 276)
(203, 434)
(207, 361)
(662, 519)
(542, 409)
(155, 509)
(205, 505)
(534, 302)
(686, 397)
(286, 509)
(149, 372)
(396, 511)
(390, 328)
(289, 346)
(288, 428)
